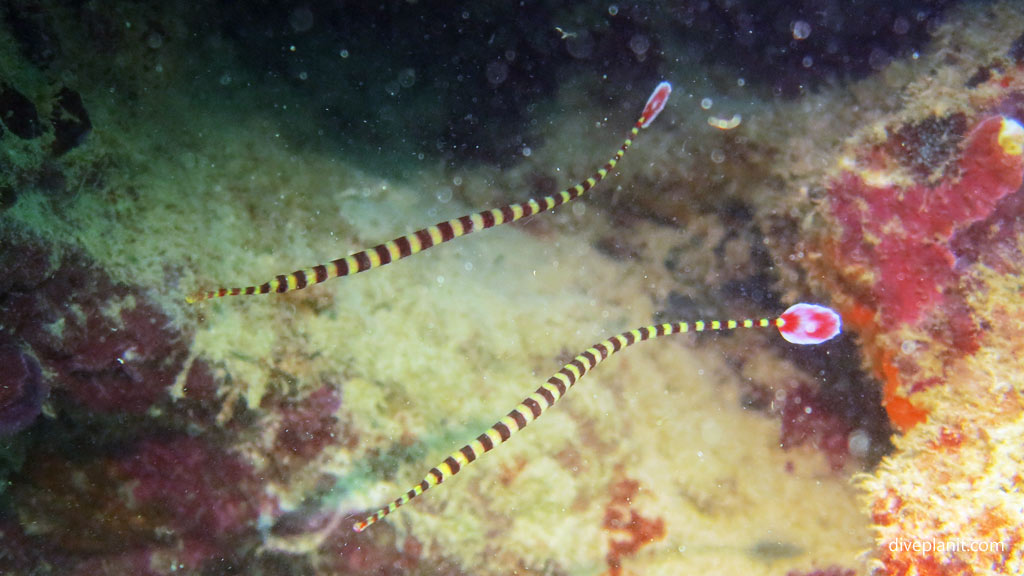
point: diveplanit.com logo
(951, 545)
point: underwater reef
(924, 259)
(868, 157)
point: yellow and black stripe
(545, 397)
(420, 240)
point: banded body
(800, 324)
(441, 232)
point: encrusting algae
(924, 262)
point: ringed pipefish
(801, 323)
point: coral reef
(110, 348)
(628, 531)
(895, 250)
(154, 507)
(922, 252)
(901, 234)
(949, 501)
(22, 388)
(305, 427)
(146, 496)
(143, 435)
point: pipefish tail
(804, 324)
(442, 232)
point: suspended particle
(724, 124)
(801, 30)
(301, 19)
(859, 444)
(497, 72)
(639, 44)
(407, 77)
(879, 59)
(579, 45)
